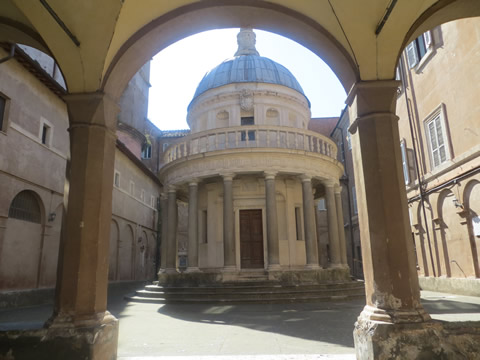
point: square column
(341, 228)
(193, 227)
(228, 224)
(172, 215)
(333, 237)
(392, 290)
(80, 311)
(309, 223)
(272, 222)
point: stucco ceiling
(111, 38)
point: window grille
(25, 207)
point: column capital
(306, 178)
(270, 175)
(227, 176)
(193, 182)
(163, 196)
(92, 109)
(329, 183)
(171, 188)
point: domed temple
(252, 174)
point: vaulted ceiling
(101, 44)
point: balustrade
(256, 136)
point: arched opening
(21, 250)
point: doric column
(172, 214)
(272, 222)
(309, 223)
(321, 244)
(333, 237)
(228, 224)
(341, 227)
(391, 280)
(164, 243)
(82, 277)
(193, 226)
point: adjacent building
(34, 124)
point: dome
(247, 66)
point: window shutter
(427, 37)
(412, 54)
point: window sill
(423, 61)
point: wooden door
(251, 239)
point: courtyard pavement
(305, 331)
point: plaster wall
(272, 105)
(445, 82)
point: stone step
(250, 293)
(228, 287)
(250, 300)
(246, 294)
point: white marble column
(272, 222)
(193, 226)
(333, 237)
(172, 214)
(341, 227)
(228, 224)
(309, 223)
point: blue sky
(177, 70)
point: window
(132, 188)
(3, 112)
(406, 174)
(116, 179)
(25, 207)
(146, 151)
(152, 201)
(298, 223)
(45, 130)
(246, 121)
(142, 195)
(45, 133)
(354, 200)
(418, 48)
(437, 137)
(165, 146)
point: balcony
(251, 137)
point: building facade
(439, 127)
(34, 123)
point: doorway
(251, 239)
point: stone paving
(246, 332)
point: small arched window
(25, 207)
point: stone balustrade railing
(257, 136)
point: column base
(229, 268)
(370, 313)
(274, 267)
(416, 341)
(171, 271)
(62, 340)
(193, 269)
(337, 266)
(312, 267)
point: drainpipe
(9, 56)
(420, 183)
